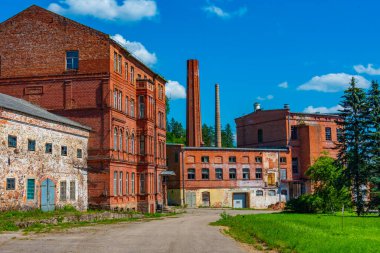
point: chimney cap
(286, 106)
(256, 106)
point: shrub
(304, 204)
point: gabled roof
(24, 107)
(107, 36)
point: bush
(304, 204)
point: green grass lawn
(288, 232)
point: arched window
(126, 141)
(115, 139)
(133, 143)
(121, 141)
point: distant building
(228, 177)
(223, 177)
(307, 135)
(83, 74)
(43, 158)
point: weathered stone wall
(21, 164)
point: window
(72, 59)
(294, 132)
(11, 184)
(133, 144)
(142, 145)
(115, 183)
(63, 150)
(205, 174)
(115, 61)
(271, 193)
(48, 148)
(295, 165)
(126, 142)
(328, 133)
(260, 136)
(232, 173)
(205, 159)
(142, 183)
(246, 173)
(72, 190)
(259, 173)
(258, 159)
(132, 108)
(30, 189)
(126, 71)
(126, 105)
(271, 179)
(339, 134)
(133, 183)
(132, 75)
(62, 190)
(176, 157)
(115, 93)
(232, 159)
(119, 62)
(121, 184)
(12, 141)
(79, 153)
(259, 193)
(127, 183)
(141, 107)
(219, 174)
(160, 92)
(31, 145)
(121, 140)
(115, 139)
(119, 100)
(282, 159)
(283, 174)
(191, 174)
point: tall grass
(307, 233)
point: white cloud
(174, 90)
(219, 12)
(129, 10)
(322, 109)
(268, 97)
(333, 82)
(137, 49)
(370, 70)
(283, 85)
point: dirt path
(187, 233)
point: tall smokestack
(218, 132)
(193, 106)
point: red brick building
(81, 73)
(306, 135)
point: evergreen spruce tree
(227, 137)
(373, 105)
(353, 149)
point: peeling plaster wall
(21, 164)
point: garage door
(239, 200)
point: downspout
(183, 178)
(155, 139)
(279, 174)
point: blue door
(239, 200)
(47, 195)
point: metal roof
(22, 106)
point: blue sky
(249, 47)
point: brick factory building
(43, 158)
(81, 73)
(223, 177)
(307, 135)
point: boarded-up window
(245, 159)
(72, 190)
(271, 179)
(62, 191)
(190, 159)
(218, 159)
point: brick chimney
(193, 106)
(218, 133)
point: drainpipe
(183, 178)
(279, 174)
